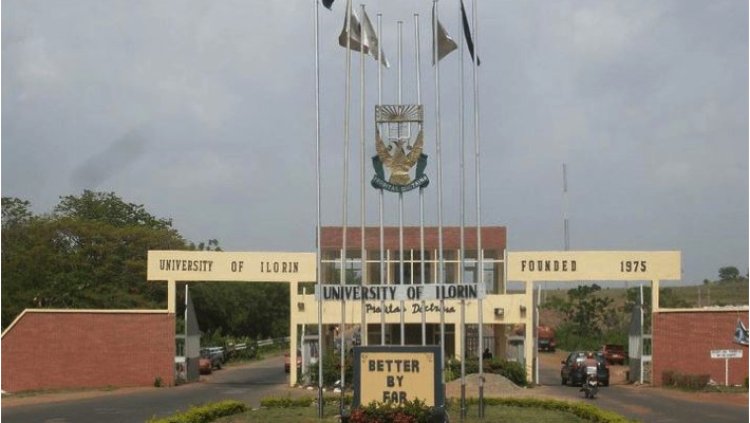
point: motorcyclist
(590, 363)
(591, 383)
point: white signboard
(231, 266)
(726, 353)
(580, 266)
(400, 292)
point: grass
(720, 389)
(37, 392)
(717, 293)
(492, 413)
(720, 293)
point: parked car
(287, 361)
(215, 355)
(615, 354)
(573, 369)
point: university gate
(504, 309)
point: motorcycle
(591, 385)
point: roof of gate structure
(493, 237)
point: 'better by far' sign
(396, 374)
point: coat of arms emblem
(401, 150)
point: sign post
(397, 374)
(726, 355)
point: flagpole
(345, 202)
(462, 183)
(421, 189)
(381, 199)
(480, 252)
(318, 223)
(401, 281)
(363, 261)
(441, 270)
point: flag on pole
(371, 40)
(467, 33)
(366, 42)
(740, 333)
(355, 37)
(328, 4)
(445, 43)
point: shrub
(667, 378)
(205, 413)
(332, 369)
(685, 381)
(286, 402)
(582, 410)
(409, 412)
(512, 370)
(302, 401)
(693, 382)
(158, 383)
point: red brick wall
(683, 342)
(48, 350)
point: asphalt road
(644, 403)
(266, 378)
(249, 383)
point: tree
(259, 310)
(584, 311)
(110, 209)
(15, 212)
(90, 253)
(729, 273)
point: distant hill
(716, 293)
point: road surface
(247, 383)
(266, 378)
(645, 403)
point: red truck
(546, 336)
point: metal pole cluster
(440, 276)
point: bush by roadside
(512, 370)
(587, 412)
(419, 412)
(671, 378)
(205, 413)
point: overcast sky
(204, 112)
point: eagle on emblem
(396, 158)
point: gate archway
(220, 266)
(588, 266)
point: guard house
(500, 311)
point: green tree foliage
(729, 273)
(259, 310)
(585, 312)
(90, 252)
(668, 298)
(231, 309)
(15, 211)
(589, 319)
(108, 208)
